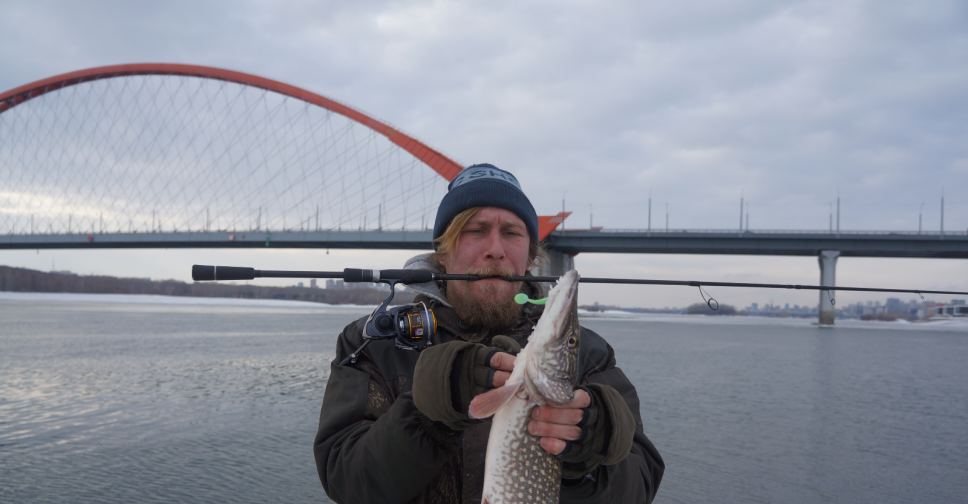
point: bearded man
(394, 425)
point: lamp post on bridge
(650, 213)
(942, 213)
(920, 215)
(838, 213)
(563, 208)
(741, 213)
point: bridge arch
(168, 147)
(440, 163)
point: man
(394, 425)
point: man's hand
(594, 429)
(556, 425)
(503, 363)
(448, 376)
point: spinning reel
(409, 327)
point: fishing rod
(410, 276)
(412, 326)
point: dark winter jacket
(373, 445)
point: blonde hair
(448, 242)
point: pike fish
(517, 469)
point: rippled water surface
(134, 403)
(118, 402)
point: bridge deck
(226, 239)
(797, 243)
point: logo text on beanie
(482, 173)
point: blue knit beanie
(483, 185)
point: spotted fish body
(517, 469)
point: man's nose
(495, 248)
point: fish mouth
(553, 346)
(563, 299)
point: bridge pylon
(558, 264)
(828, 277)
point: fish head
(553, 359)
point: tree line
(27, 280)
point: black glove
(607, 430)
(448, 376)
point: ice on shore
(949, 324)
(154, 299)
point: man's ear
(443, 262)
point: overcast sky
(599, 103)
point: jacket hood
(433, 290)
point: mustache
(503, 271)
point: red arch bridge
(167, 155)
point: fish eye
(571, 341)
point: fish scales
(522, 470)
(517, 469)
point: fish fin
(489, 402)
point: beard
(491, 306)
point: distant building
(956, 308)
(894, 305)
(312, 284)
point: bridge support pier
(557, 264)
(828, 268)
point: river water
(149, 399)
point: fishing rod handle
(201, 273)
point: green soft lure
(522, 298)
